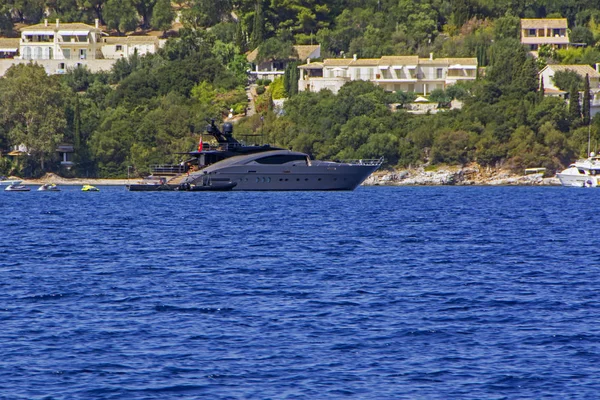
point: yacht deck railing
(362, 161)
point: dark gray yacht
(232, 165)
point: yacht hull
(305, 178)
(570, 180)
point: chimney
(308, 60)
(46, 22)
(57, 22)
(97, 23)
(431, 56)
(354, 57)
(598, 67)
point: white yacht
(582, 173)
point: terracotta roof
(555, 23)
(336, 62)
(252, 55)
(142, 39)
(581, 70)
(130, 39)
(398, 60)
(69, 26)
(303, 50)
(463, 61)
(9, 43)
(365, 61)
(312, 65)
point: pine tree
(586, 100)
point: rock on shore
(471, 175)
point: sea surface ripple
(380, 293)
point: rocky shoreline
(420, 176)
(460, 176)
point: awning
(382, 67)
(30, 33)
(17, 153)
(73, 33)
(397, 66)
(9, 50)
(458, 66)
(410, 66)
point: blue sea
(380, 293)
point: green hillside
(149, 108)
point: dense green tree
(567, 79)
(581, 34)
(205, 13)
(33, 110)
(144, 9)
(274, 49)
(26, 11)
(120, 15)
(163, 15)
(190, 42)
(6, 24)
(507, 28)
(506, 63)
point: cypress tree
(541, 90)
(290, 79)
(239, 38)
(258, 30)
(586, 100)
(574, 106)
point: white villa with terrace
(61, 46)
(393, 73)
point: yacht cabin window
(281, 159)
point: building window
(119, 47)
(439, 73)
(532, 32)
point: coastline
(457, 176)
(59, 180)
(448, 176)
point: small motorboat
(17, 188)
(48, 187)
(89, 188)
(582, 173)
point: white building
(392, 73)
(272, 69)
(123, 47)
(550, 89)
(62, 46)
